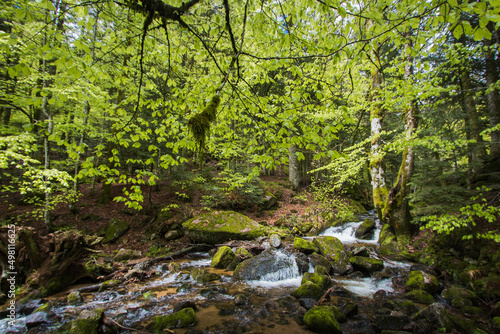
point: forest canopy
(394, 99)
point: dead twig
(325, 296)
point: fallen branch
(322, 299)
(110, 322)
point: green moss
(308, 290)
(44, 308)
(305, 246)
(419, 280)
(116, 228)
(87, 322)
(420, 296)
(243, 252)
(496, 322)
(323, 319)
(224, 258)
(321, 280)
(74, 298)
(203, 276)
(366, 264)
(220, 226)
(184, 318)
(109, 284)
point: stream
(265, 307)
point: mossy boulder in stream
(420, 296)
(116, 228)
(333, 249)
(203, 276)
(419, 280)
(271, 265)
(324, 319)
(184, 318)
(224, 258)
(308, 290)
(365, 230)
(305, 246)
(88, 322)
(220, 226)
(321, 280)
(366, 265)
(388, 243)
(439, 317)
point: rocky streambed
(332, 283)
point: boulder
(184, 318)
(388, 243)
(115, 229)
(39, 318)
(74, 298)
(224, 258)
(308, 290)
(275, 240)
(305, 246)
(127, 254)
(324, 319)
(420, 296)
(321, 280)
(441, 318)
(332, 249)
(203, 276)
(270, 265)
(87, 322)
(365, 230)
(458, 296)
(319, 260)
(390, 322)
(419, 280)
(366, 265)
(174, 235)
(221, 226)
(268, 201)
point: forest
(126, 124)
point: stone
(321, 280)
(270, 262)
(366, 265)
(174, 267)
(127, 254)
(390, 322)
(332, 249)
(420, 296)
(305, 246)
(458, 296)
(419, 280)
(115, 230)
(218, 227)
(184, 304)
(44, 308)
(308, 290)
(269, 201)
(243, 253)
(275, 240)
(173, 235)
(39, 318)
(74, 298)
(388, 243)
(404, 306)
(184, 318)
(365, 230)
(87, 322)
(240, 300)
(441, 318)
(224, 258)
(319, 260)
(323, 319)
(109, 284)
(203, 276)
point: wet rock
(44, 308)
(109, 284)
(186, 287)
(275, 240)
(419, 280)
(324, 319)
(319, 260)
(127, 254)
(321, 280)
(388, 244)
(366, 265)
(320, 270)
(307, 303)
(302, 262)
(87, 322)
(29, 307)
(360, 251)
(439, 317)
(292, 308)
(39, 318)
(380, 295)
(221, 226)
(243, 253)
(356, 274)
(115, 229)
(174, 235)
(458, 296)
(404, 306)
(183, 318)
(487, 287)
(74, 298)
(203, 276)
(365, 230)
(349, 307)
(240, 300)
(308, 290)
(174, 267)
(224, 258)
(270, 265)
(184, 304)
(269, 201)
(305, 246)
(390, 322)
(420, 296)
(424, 268)
(332, 249)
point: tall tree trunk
(397, 211)
(492, 95)
(377, 172)
(293, 166)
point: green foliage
(466, 220)
(156, 251)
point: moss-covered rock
(496, 323)
(44, 308)
(333, 249)
(321, 280)
(366, 265)
(127, 254)
(88, 322)
(319, 260)
(109, 284)
(420, 296)
(460, 298)
(323, 319)
(224, 258)
(404, 306)
(308, 290)
(271, 264)
(441, 318)
(388, 244)
(74, 298)
(268, 201)
(115, 229)
(305, 246)
(220, 226)
(419, 280)
(184, 318)
(487, 287)
(203, 276)
(244, 253)
(275, 240)
(365, 230)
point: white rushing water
(346, 232)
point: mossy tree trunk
(377, 172)
(492, 94)
(397, 211)
(293, 166)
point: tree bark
(293, 166)
(492, 95)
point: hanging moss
(200, 123)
